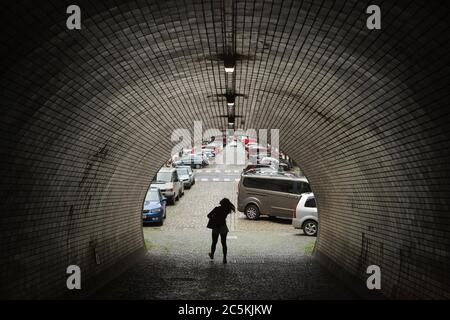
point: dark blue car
(154, 210)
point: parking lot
(268, 249)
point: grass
(148, 244)
(308, 250)
(151, 245)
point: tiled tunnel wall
(86, 118)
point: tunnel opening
(174, 214)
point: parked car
(170, 185)
(272, 195)
(186, 175)
(191, 160)
(305, 215)
(190, 173)
(154, 210)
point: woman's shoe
(211, 256)
(224, 260)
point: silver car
(170, 185)
(306, 216)
(186, 175)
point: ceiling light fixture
(229, 69)
(229, 63)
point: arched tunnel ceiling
(87, 117)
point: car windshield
(152, 196)
(182, 171)
(164, 176)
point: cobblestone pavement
(267, 259)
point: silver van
(270, 195)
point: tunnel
(87, 115)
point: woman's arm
(211, 213)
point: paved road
(267, 259)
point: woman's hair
(227, 205)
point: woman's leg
(215, 237)
(223, 239)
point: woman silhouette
(217, 222)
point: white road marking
(237, 179)
(215, 179)
(226, 179)
(208, 171)
(232, 237)
(227, 171)
(218, 171)
(204, 179)
(236, 171)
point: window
(310, 203)
(152, 196)
(285, 186)
(164, 176)
(278, 185)
(302, 187)
(257, 183)
(182, 171)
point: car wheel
(161, 223)
(252, 212)
(198, 166)
(310, 228)
(177, 197)
(172, 200)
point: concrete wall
(86, 118)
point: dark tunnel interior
(86, 116)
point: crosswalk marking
(215, 179)
(226, 179)
(204, 179)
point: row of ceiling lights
(229, 64)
